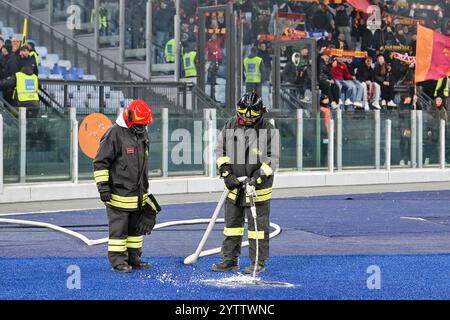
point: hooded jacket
(121, 167)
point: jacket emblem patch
(130, 150)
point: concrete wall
(186, 185)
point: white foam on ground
(244, 281)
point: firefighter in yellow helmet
(248, 146)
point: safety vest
(169, 51)
(439, 85)
(253, 69)
(26, 87)
(36, 57)
(190, 69)
(102, 22)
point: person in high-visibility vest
(25, 84)
(102, 20)
(442, 89)
(253, 68)
(189, 64)
(169, 51)
(33, 54)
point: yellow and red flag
(432, 54)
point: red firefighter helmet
(138, 112)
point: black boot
(225, 265)
(140, 264)
(123, 268)
(260, 268)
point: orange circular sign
(91, 131)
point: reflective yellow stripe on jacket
(129, 202)
(261, 195)
(101, 176)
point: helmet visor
(248, 113)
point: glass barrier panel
(11, 150)
(38, 5)
(186, 145)
(135, 30)
(48, 143)
(358, 140)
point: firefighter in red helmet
(121, 175)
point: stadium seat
(7, 33)
(65, 63)
(42, 52)
(59, 70)
(1, 24)
(53, 57)
(47, 63)
(44, 72)
(76, 73)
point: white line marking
(413, 218)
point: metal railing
(70, 49)
(106, 96)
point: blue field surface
(314, 277)
(325, 249)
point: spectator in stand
(213, 51)
(340, 42)
(26, 60)
(385, 78)
(11, 60)
(366, 75)
(407, 104)
(2, 60)
(289, 73)
(343, 78)
(321, 20)
(267, 60)
(163, 24)
(326, 42)
(371, 42)
(326, 84)
(438, 113)
(342, 21)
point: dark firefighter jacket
(120, 167)
(252, 153)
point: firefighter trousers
(234, 231)
(124, 243)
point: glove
(105, 196)
(146, 221)
(250, 181)
(232, 182)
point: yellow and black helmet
(250, 107)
